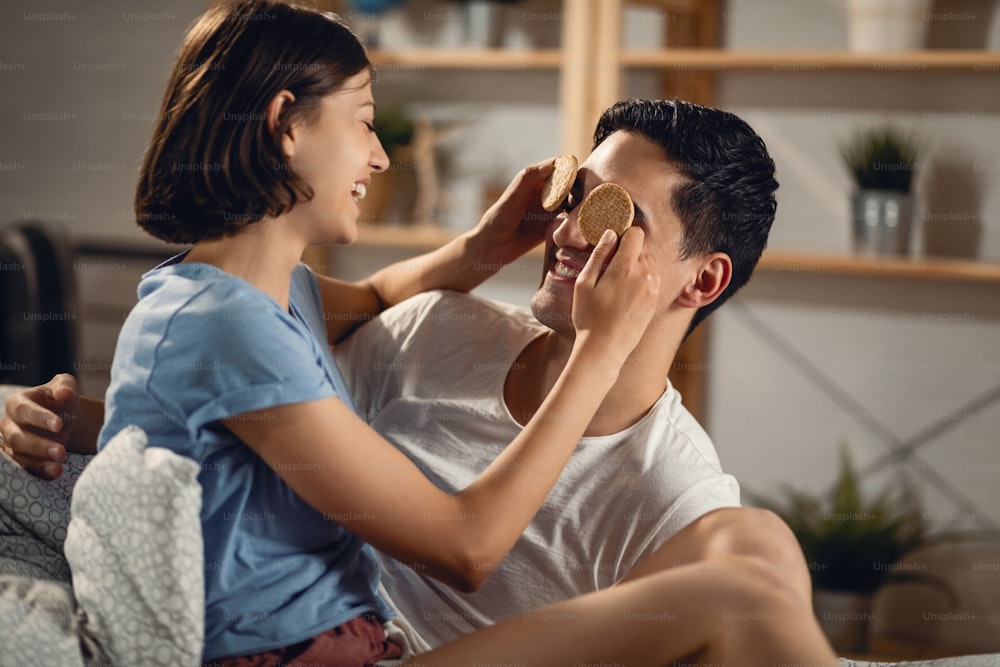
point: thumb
(598, 259)
(64, 387)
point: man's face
(642, 168)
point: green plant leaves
(393, 127)
(882, 159)
(850, 544)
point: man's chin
(553, 312)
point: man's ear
(279, 105)
(714, 273)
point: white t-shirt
(428, 375)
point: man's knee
(760, 533)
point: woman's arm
(54, 417)
(512, 226)
(342, 468)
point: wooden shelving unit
(418, 237)
(467, 59)
(887, 266)
(422, 238)
(976, 61)
(984, 62)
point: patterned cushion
(34, 514)
(135, 549)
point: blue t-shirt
(200, 346)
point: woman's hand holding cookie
(517, 221)
(616, 293)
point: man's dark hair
(213, 165)
(726, 202)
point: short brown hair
(726, 200)
(213, 166)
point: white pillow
(134, 547)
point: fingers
(26, 444)
(64, 388)
(629, 254)
(527, 185)
(25, 409)
(598, 260)
(40, 467)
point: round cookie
(607, 206)
(560, 182)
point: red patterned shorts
(359, 642)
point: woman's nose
(379, 161)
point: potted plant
(887, 25)
(851, 547)
(882, 162)
(394, 128)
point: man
(450, 378)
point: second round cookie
(608, 206)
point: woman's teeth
(359, 191)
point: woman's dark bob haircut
(213, 165)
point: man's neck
(640, 384)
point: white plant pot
(887, 25)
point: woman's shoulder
(202, 305)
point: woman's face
(335, 151)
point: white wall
(82, 83)
(800, 364)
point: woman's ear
(714, 273)
(279, 105)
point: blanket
(104, 565)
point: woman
(264, 147)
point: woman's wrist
(471, 261)
(597, 357)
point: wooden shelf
(428, 237)
(419, 237)
(986, 62)
(917, 268)
(467, 59)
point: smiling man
(458, 376)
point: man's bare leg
(746, 531)
(731, 611)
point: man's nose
(567, 233)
